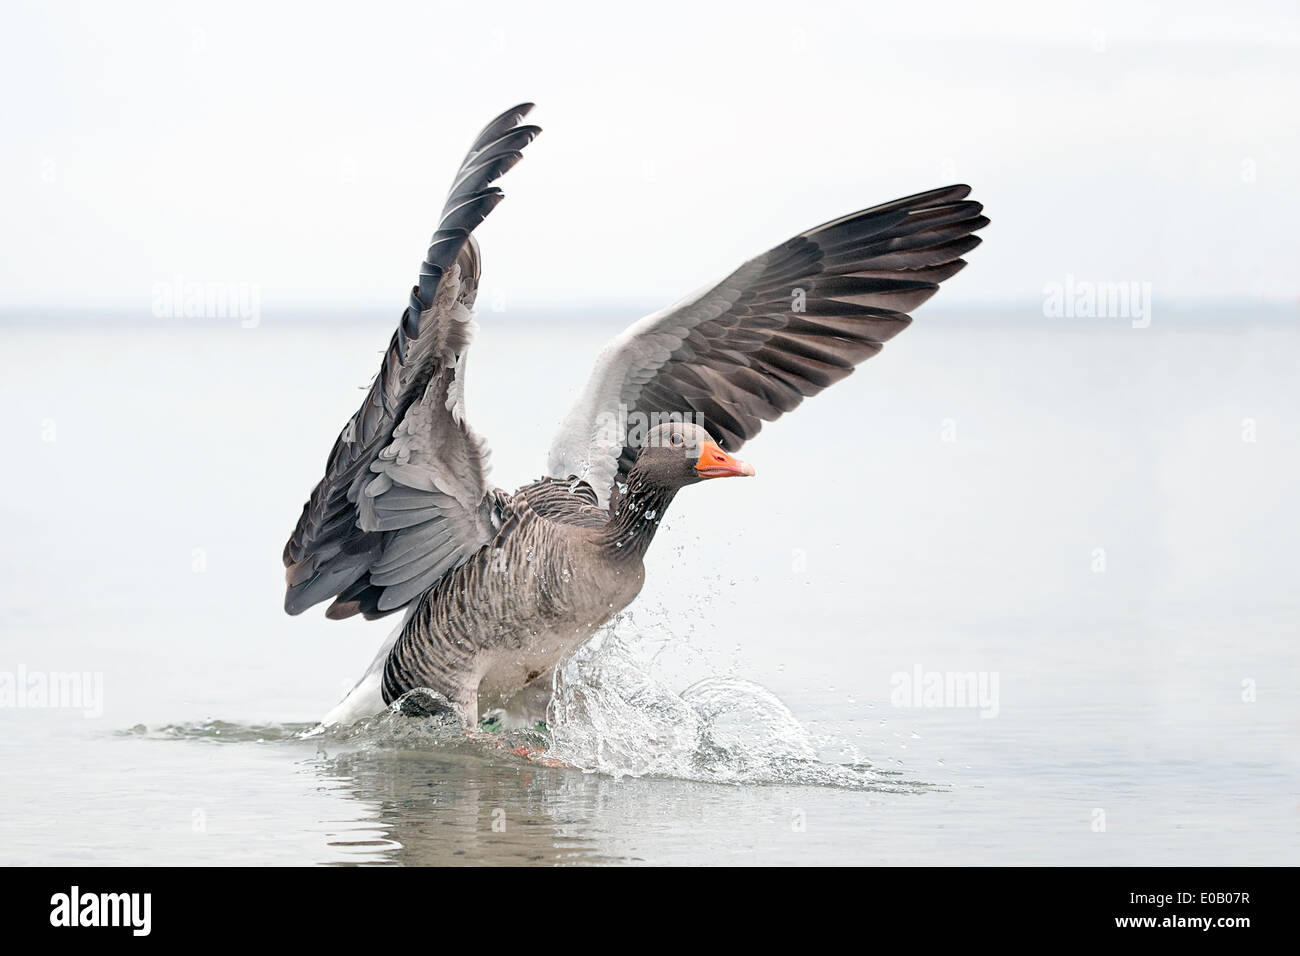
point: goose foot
(538, 756)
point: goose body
(499, 623)
(499, 588)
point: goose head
(676, 454)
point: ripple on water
(219, 730)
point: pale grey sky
(307, 149)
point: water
(1101, 519)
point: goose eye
(676, 440)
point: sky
(306, 149)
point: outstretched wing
(404, 498)
(782, 327)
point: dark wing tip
(510, 117)
(341, 610)
(500, 126)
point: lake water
(1096, 523)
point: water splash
(610, 715)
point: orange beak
(716, 463)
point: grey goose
(500, 588)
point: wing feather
(405, 495)
(781, 328)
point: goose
(497, 589)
